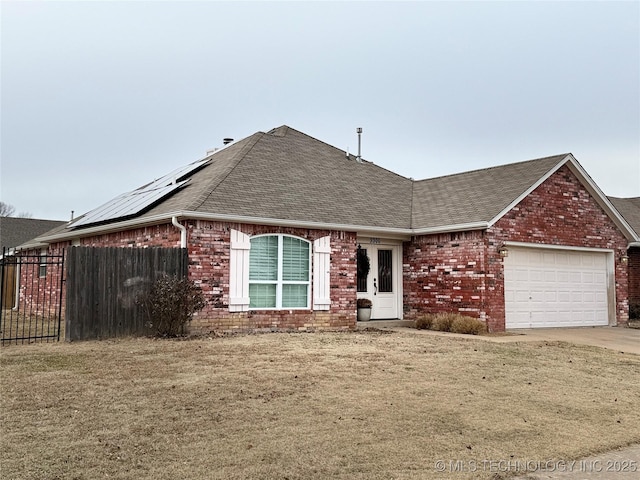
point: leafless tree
(6, 210)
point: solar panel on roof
(132, 203)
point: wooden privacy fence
(103, 284)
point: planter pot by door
(364, 314)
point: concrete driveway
(621, 339)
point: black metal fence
(103, 284)
(31, 296)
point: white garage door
(555, 288)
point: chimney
(359, 157)
(227, 141)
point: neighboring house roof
(16, 231)
(630, 210)
(285, 177)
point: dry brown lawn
(362, 405)
(21, 328)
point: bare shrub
(424, 322)
(468, 325)
(442, 322)
(451, 322)
(169, 305)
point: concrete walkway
(619, 464)
(621, 339)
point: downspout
(17, 283)
(183, 231)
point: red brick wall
(440, 273)
(560, 212)
(445, 273)
(40, 295)
(634, 276)
(209, 252)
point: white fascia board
(166, 218)
(460, 227)
(386, 232)
(361, 229)
(530, 189)
(548, 246)
(108, 228)
(30, 246)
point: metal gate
(31, 296)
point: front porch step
(385, 324)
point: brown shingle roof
(285, 175)
(16, 231)
(476, 196)
(629, 208)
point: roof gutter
(172, 217)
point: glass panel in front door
(385, 271)
(362, 267)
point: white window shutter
(321, 273)
(239, 272)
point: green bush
(169, 305)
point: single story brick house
(273, 224)
(630, 210)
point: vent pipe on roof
(227, 141)
(359, 157)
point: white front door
(382, 284)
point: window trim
(279, 282)
(42, 263)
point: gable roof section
(630, 210)
(285, 177)
(16, 231)
(473, 199)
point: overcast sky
(99, 98)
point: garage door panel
(575, 277)
(555, 288)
